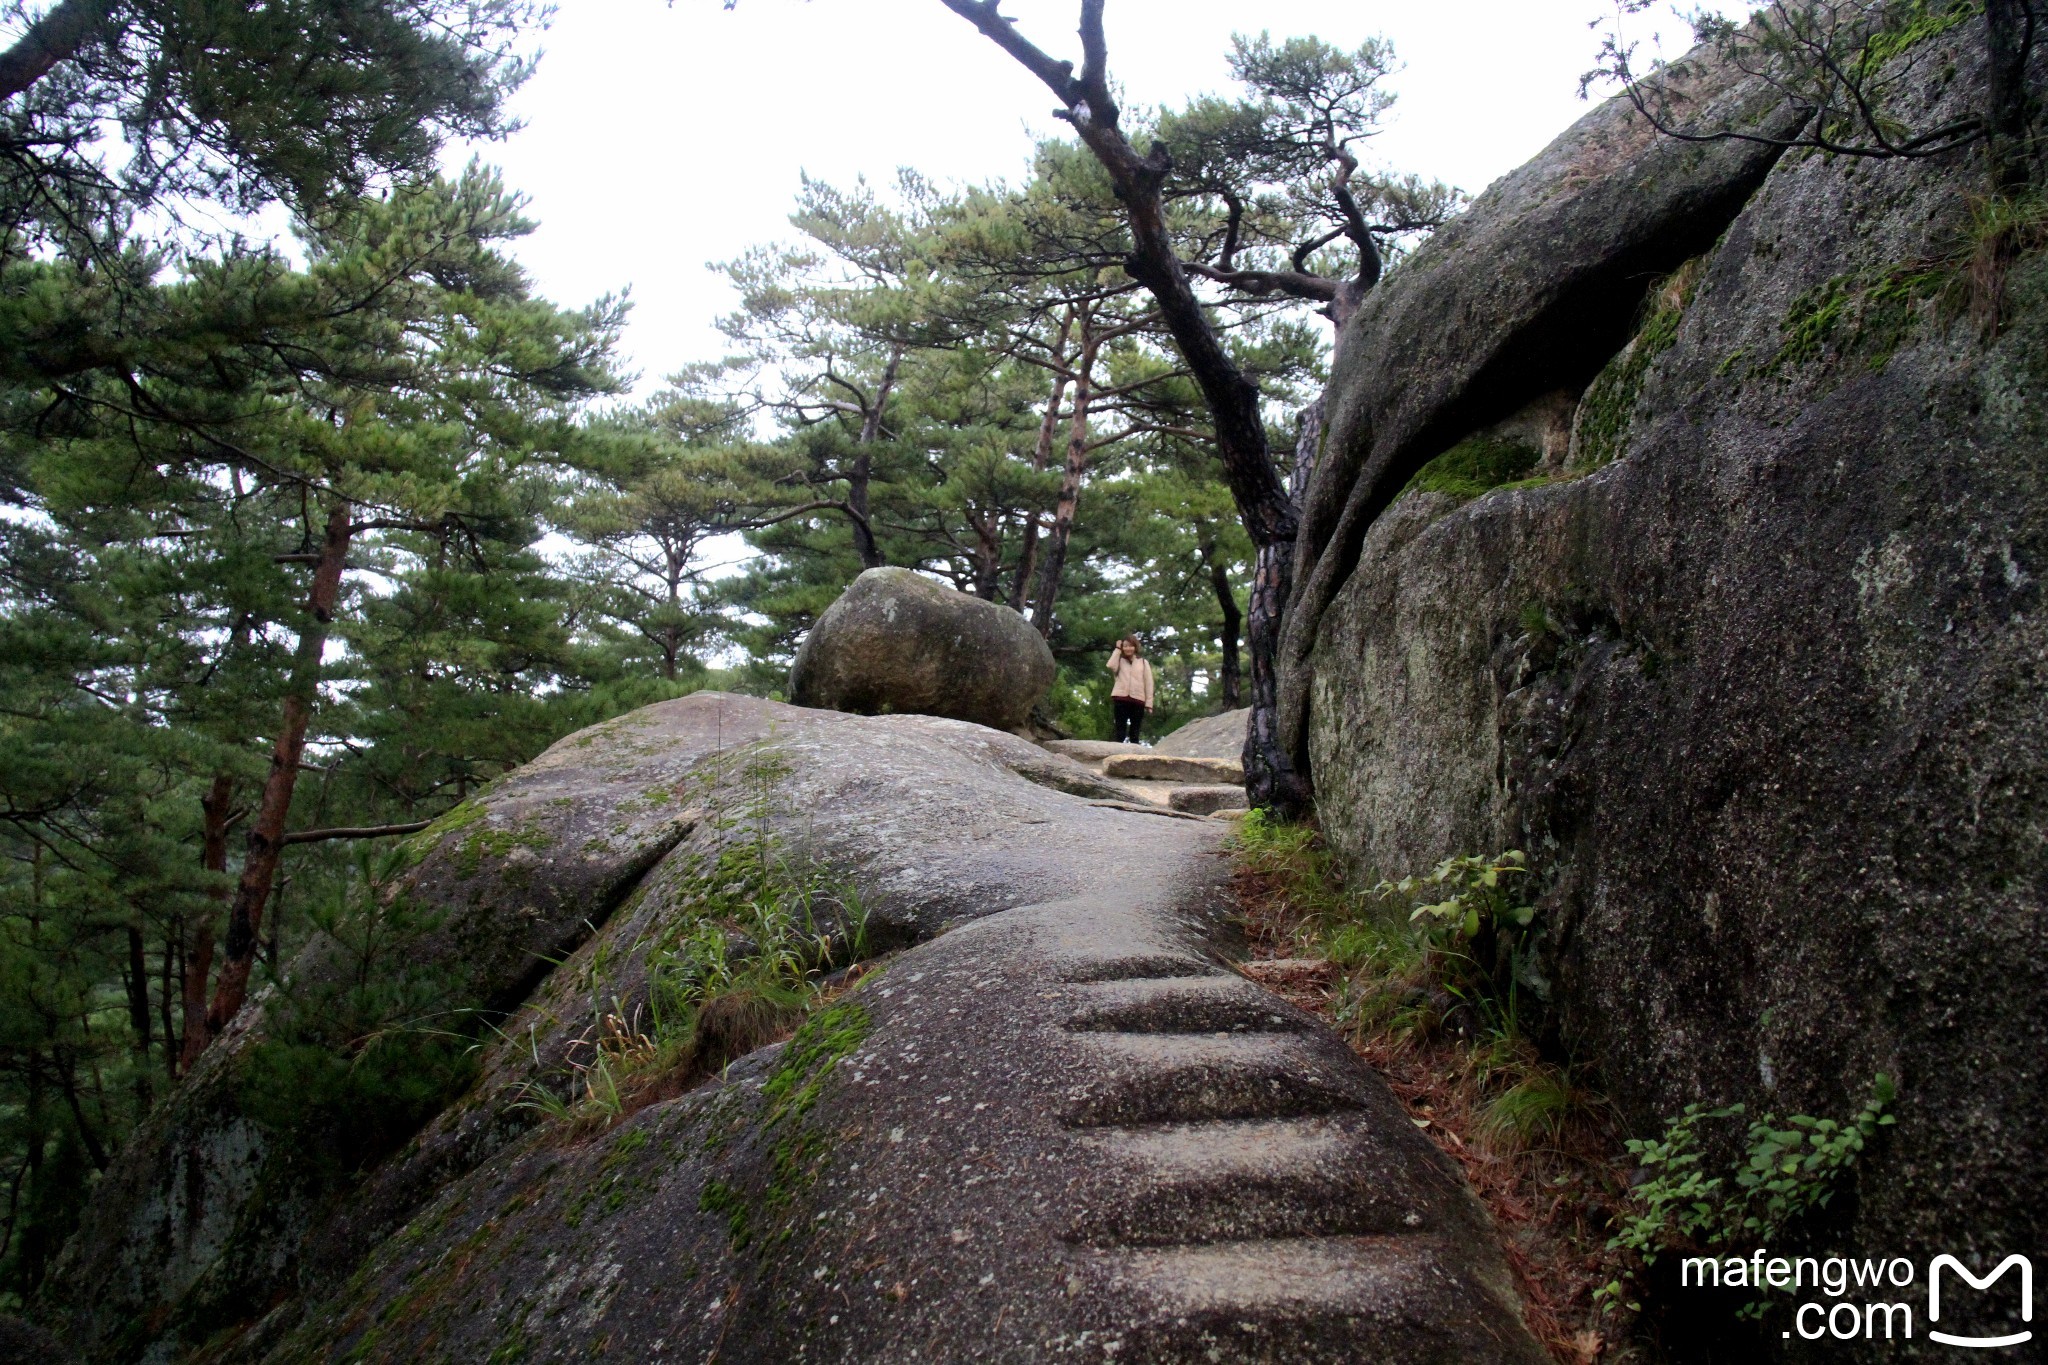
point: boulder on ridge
(1220, 736)
(897, 642)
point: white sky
(663, 137)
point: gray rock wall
(1764, 698)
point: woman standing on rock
(1131, 697)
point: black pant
(1129, 716)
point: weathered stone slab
(1024, 1131)
(1219, 736)
(1155, 767)
(1089, 750)
(1207, 800)
(1027, 1131)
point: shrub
(1785, 1173)
(371, 1038)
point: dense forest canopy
(303, 543)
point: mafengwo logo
(1880, 1312)
(2014, 1261)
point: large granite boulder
(897, 642)
(1057, 1124)
(1761, 684)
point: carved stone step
(1222, 1182)
(1208, 799)
(1202, 1004)
(1174, 768)
(1326, 1299)
(1179, 1078)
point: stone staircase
(1191, 783)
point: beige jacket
(1133, 678)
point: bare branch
(1294, 284)
(1057, 75)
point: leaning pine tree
(1263, 502)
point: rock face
(1762, 694)
(1061, 1128)
(1527, 292)
(896, 642)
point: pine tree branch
(51, 39)
(315, 836)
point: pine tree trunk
(139, 1022)
(1308, 447)
(1027, 564)
(1270, 779)
(864, 543)
(1054, 567)
(213, 856)
(1271, 518)
(1233, 622)
(36, 1242)
(51, 39)
(67, 1080)
(166, 990)
(2009, 34)
(988, 556)
(266, 832)
(1041, 456)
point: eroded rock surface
(896, 641)
(1058, 1125)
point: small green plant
(1262, 836)
(1479, 898)
(1476, 932)
(1304, 899)
(1533, 1109)
(1786, 1172)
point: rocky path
(1059, 1127)
(1195, 770)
